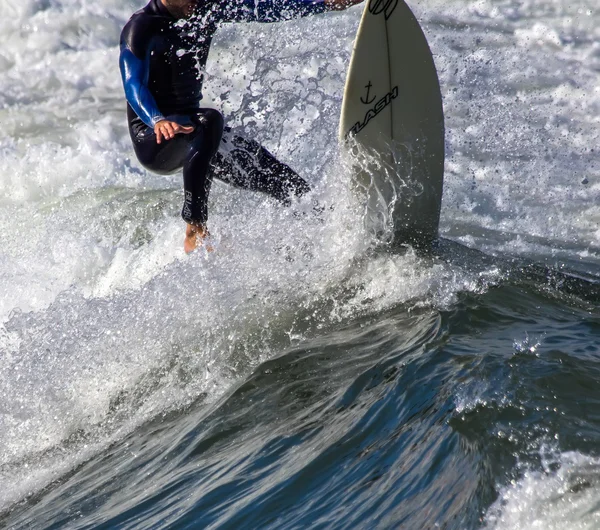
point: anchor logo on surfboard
(376, 7)
(368, 101)
(372, 112)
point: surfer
(164, 49)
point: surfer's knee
(214, 118)
(210, 129)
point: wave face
(300, 375)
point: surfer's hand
(167, 129)
(341, 4)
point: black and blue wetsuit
(161, 62)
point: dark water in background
(297, 378)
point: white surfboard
(392, 122)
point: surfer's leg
(247, 164)
(192, 152)
(197, 179)
(164, 158)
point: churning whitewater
(300, 375)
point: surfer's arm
(134, 72)
(340, 4)
(270, 10)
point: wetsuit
(161, 62)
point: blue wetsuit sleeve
(134, 73)
(269, 10)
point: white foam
(521, 100)
(555, 499)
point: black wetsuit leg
(242, 163)
(192, 152)
(247, 164)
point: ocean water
(300, 376)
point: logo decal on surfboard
(372, 112)
(367, 102)
(376, 7)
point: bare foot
(195, 236)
